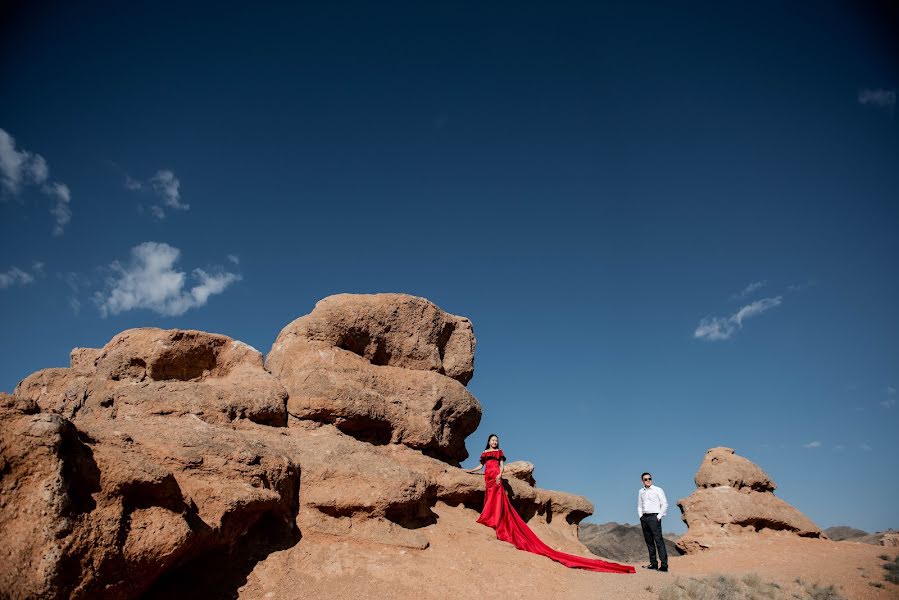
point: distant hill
(844, 532)
(619, 542)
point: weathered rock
(110, 506)
(84, 358)
(385, 494)
(163, 457)
(722, 467)
(521, 470)
(384, 368)
(155, 371)
(735, 498)
(394, 330)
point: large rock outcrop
(735, 498)
(167, 458)
(385, 368)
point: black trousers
(652, 533)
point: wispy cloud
(865, 447)
(15, 276)
(749, 289)
(77, 283)
(20, 168)
(234, 259)
(150, 281)
(165, 185)
(168, 187)
(723, 328)
(890, 400)
(878, 98)
(815, 444)
(61, 209)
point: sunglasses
(647, 479)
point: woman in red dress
(500, 515)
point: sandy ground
(465, 560)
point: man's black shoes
(652, 567)
(664, 569)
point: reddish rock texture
(385, 368)
(735, 498)
(164, 460)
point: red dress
(499, 514)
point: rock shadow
(220, 573)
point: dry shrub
(750, 587)
(892, 569)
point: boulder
(521, 470)
(385, 368)
(394, 330)
(735, 498)
(156, 371)
(103, 508)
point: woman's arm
(475, 470)
(502, 467)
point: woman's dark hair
(492, 435)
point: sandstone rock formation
(521, 470)
(735, 497)
(385, 368)
(167, 455)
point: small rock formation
(735, 497)
(384, 368)
(521, 470)
(157, 461)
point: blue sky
(672, 228)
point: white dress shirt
(652, 500)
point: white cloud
(752, 287)
(150, 281)
(132, 184)
(168, 187)
(234, 259)
(891, 391)
(723, 328)
(19, 167)
(15, 276)
(165, 185)
(815, 444)
(879, 98)
(888, 403)
(61, 210)
(865, 447)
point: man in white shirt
(652, 506)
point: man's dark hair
(644, 475)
